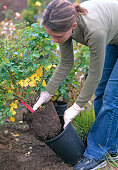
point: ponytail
(80, 10)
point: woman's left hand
(71, 113)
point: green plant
(27, 60)
(111, 161)
(84, 121)
(30, 15)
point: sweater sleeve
(97, 44)
(64, 67)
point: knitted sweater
(95, 30)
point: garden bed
(19, 149)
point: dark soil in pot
(44, 122)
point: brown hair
(60, 15)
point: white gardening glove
(44, 98)
(71, 113)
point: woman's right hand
(44, 98)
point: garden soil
(20, 150)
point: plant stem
(22, 98)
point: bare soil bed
(20, 150)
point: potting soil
(44, 122)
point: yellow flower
(16, 101)
(9, 91)
(21, 83)
(26, 82)
(33, 76)
(54, 98)
(12, 109)
(13, 105)
(38, 78)
(54, 65)
(49, 67)
(38, 4)
(32, 83)
(13, 112)
(44, 83)
(39, 72)
(12, 119)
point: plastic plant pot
(60, 107)
(67, 145)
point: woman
(92, 23)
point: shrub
(27, 59)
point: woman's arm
(64, 67)
(97, 44)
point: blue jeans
(103, 135)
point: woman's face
(60, 37)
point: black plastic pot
(67, 145)
(60, 107)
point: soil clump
(44, 122)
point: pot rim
(60, 103)
(60, 135)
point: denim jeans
(103, 135)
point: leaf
(47, 47)
(9, 113)
(2, 122)
(37, 55)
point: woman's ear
(74, 25)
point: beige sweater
(96, 29)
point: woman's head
(60, 17)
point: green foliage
(34, 10)
(84, 121)
(28, 16)
(31, 2)
(27, 60)
(111, 162)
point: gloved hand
(71, 113)
(44, 98)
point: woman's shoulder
(101, 14)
